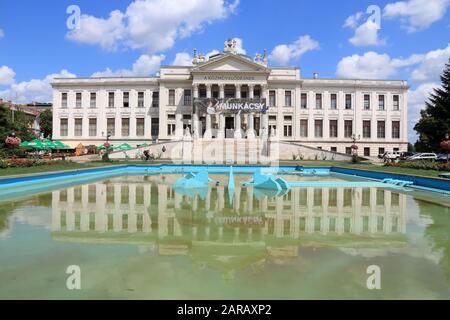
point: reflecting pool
(135, 237)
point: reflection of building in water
(145, 204)
(223, 235)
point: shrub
(355, 158)
(421, 165)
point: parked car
(405, 155)
(423, 156)
(442, 158)
(391, 155)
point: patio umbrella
(37, 144)
(60, 145)
(25, 144)
(123, 147)
(145, 144)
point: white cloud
(432, 65)
(371, 65)
(105, 32)
(6, 75)
(153, 25)
(145, 65)
(283, 53)
(416, 102)
(2, 33)
(417, 14)
(352, 21)
(34, 90)
(211, 53)
(182, 59)
(367, 35)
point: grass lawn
(94, 164)
(48, 168)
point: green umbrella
(145, 144)
(123, 146)
(60, 145)
(37, 144)
(25, 144)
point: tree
(434, 123)
(46, 122)
(20, 126)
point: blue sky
(135, 37)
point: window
(78, 127)
(348, 150)
(187, 97)
(171, 97)
(318, 101)
(288, 130)
(333, 101)
(272, 98)
(381, 151)
(304, 128)
(380, 102)
(304, 102)
(348, 101)
(367, 102)
(366, 152)
(110, 99)
(126, 99)
(125, 127)
(171, 129)
(288, 98)
(318, 128)
(92, 127)
(333, 128)
(155, 127)
(333, 149)
(381, 130)
(155, 99)
(366, 129)
(395, 129)
(93, 103)
(140, 126)
(396, 102)
(111, 126)
(140, 99)
(348, 128)
(257, 93)
(64, 100)
(78, 100)
(64, 127)
(288, 126)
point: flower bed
(423, 165)
(26, 163)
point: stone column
(237, 117)
(265, 117)
(221, 132)
(208, 132)
(195, 118)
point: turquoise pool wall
(79, 175)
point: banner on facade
(231, 106)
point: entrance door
(229, 127)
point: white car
(391, 155)
(423, 156)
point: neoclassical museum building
(232, 97)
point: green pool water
(134, 237)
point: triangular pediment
(230, 63)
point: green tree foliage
(46, 122)
(435, 118)
(19, 124)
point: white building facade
(233, 97)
